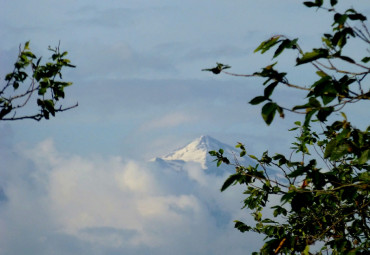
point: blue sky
(141, 94)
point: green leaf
(312, 103)
(229, 181)
(340, 19)
(226, 160)
(333, 2)
(242, 153)
(213, 153)
(306, 250)
(364, 177)
(286, 44)
(5, 110)
(49, 105)
(317, 3)
(327, 40)
(257, 100)
(300, 171)
(9, 76)
(42, 91)
(308, 117)
(241, 226)
(15, 85)
(73, 66)
(279, 210)
(266, 45)
(216, 70)
(328, 98)
(268, 112)
(337, 151)
(288, 196)
(29, 54)
(219, 162)
(269, 89)
(357, 16)
(365, 156)
(253, 157)
(322, 74)
(324, 113)
(348, 59)
(365, 59)
(280, 111)
(309, 4)
(26, 45)
(312, 56)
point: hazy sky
(79, 183)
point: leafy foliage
(45, 79)
(324, 184)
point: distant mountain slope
(197, 152)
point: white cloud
(113, 205)
(136, 179)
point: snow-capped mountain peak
(197, 151)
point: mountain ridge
(197, 151)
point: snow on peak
(197, 150)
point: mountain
(197, 152)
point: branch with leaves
(329, 86)
(324, 184)
(45, 82)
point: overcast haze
(81, 183)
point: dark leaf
(365, 59)
(324, 113)
(308, 117)
(280, 111)
(357, 16)
(298, 172)
(312, 56)
(6, 110)
(286, 44)
(15, 85)
(241, 226)
(269, 89)
(216, 70)
(288, 196)
(242, 153)
(229, 181)
(268, 112)
(348, 59)
(310, 4)
(340, 19)
(301, 200)
(257, 100)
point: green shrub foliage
(323, 186)
(33, 82)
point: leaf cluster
(323, 186)
(327, 205)
(30, 78)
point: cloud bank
(57, 203)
